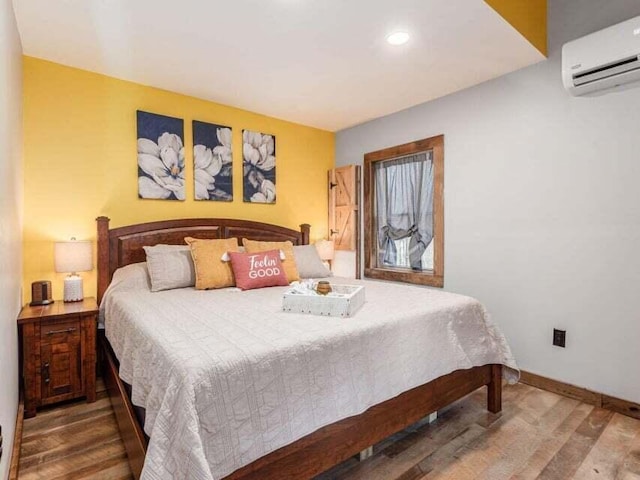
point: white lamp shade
(73, 256)
(325, 249)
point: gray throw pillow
(170, 266)
(309, 263)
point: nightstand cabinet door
(60, 360)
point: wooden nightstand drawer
(58, 352)
(59, 331)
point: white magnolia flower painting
(212, 162)
(259, 167)
(160, 157)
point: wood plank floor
(76, 440)
(538, 435)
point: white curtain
(404, 206)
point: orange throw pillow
(211, 271)
(289, 262)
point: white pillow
(130, 277)
(170, 266)
(309, 263)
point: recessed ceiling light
(398, 38)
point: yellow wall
(529, 17)
(80, 162)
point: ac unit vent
(605, 71)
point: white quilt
(226, 377)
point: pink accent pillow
(258, 269)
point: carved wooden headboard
(122, 246)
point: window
(404, 213)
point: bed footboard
(337, 442)
(332, 444)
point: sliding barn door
(344, 214)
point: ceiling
(323, 63)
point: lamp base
(73, 289)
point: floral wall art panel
(212, 162)
(259, 167)
(160, 157)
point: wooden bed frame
(317, 451)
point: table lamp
(72, 257)
(326, 250)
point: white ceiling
(323, 63)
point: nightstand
(58, 352)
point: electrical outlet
(559, 337)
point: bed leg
(366, 453)
(432, 417)
(494, 390)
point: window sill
(398, 275)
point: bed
(305, 448)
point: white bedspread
(226, 377)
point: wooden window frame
(435, 277)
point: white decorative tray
(343, 301)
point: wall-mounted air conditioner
(603, 60)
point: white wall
(10, 222)
(542, 206)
